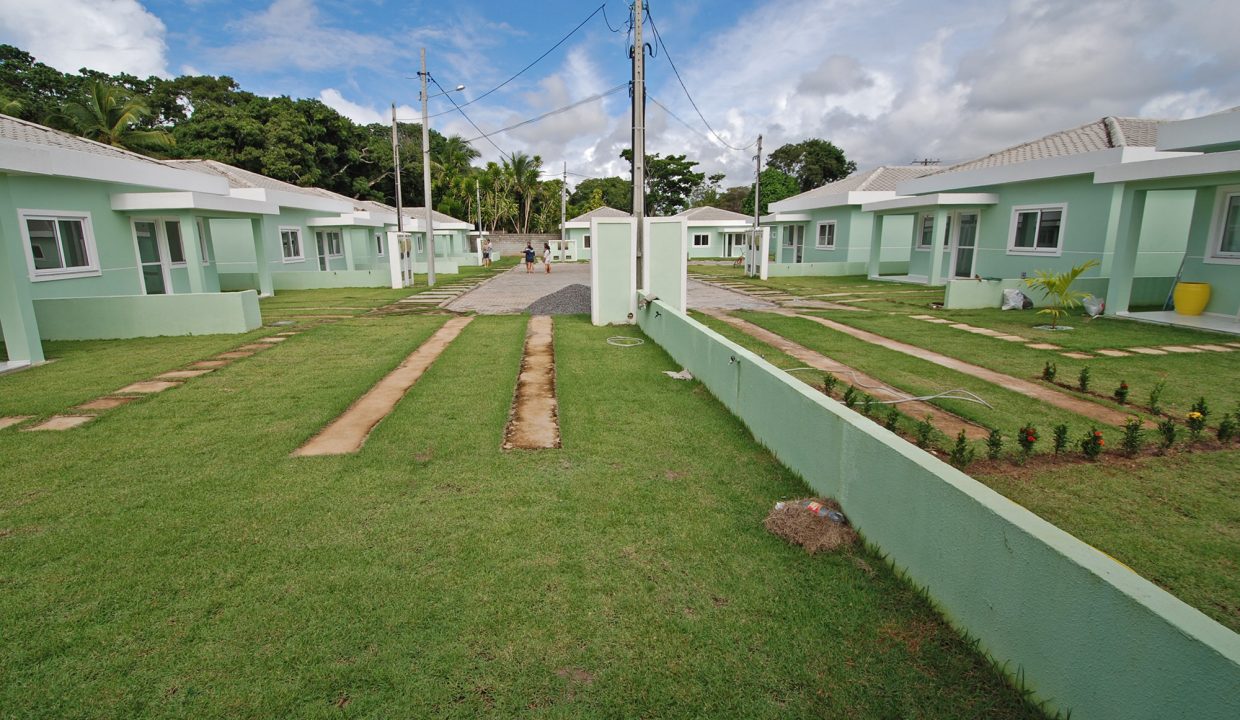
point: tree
(615, 192)
(708, 193)
(523, 170)
(733, 199)
(670, 182)
(812, 162)
(1057, 287)
(109, 116)
(776, 186)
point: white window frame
(1035, 251)
(301, 245)
(818, 244)
(586, 240)
(704, 236)
(91, 269)
(200, 224)
(1215, 254)
(162, 224)
(379, 244)
(919, 232)
(327, 238)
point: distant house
(577, 231)
(982, 226)
(824, 231)
(715, 232)
(99, 242)
(1211, 241)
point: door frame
(161, 246)
(953, 246)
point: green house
(577, 232)
(1211, 241)
(99, 242)
(825, 232)
(715, 232)
(982, 226)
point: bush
(1201, 407)
(1196, 422)
(1091, 444)
(1061, 438)
(962, 453)
(1133, 436)
(1049, 371)
(924, 432)
(1121, 393)
(893, 418)
(1027, 437)
(867, 404)
(1166, 431)
(829, 382)
(1156, 396)
(850, 396)
(1082, 380)
(1227, 428)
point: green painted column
(874, 267)
(193, 253)
(346, 239)
(1127, 242)
(1111, 239)
(261, 227)
(936, 247)
(613, 292)
(17, 320)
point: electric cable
(557, 111)
(464, 115)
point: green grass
(1175, 520)
(171, 560)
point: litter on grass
(682, 375)
(816, 524)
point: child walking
(547, 256)
(529, 258)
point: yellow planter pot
(1191, 298)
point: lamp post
(426, 173)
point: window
(826, 236)
(329, 240)
(701, 240)
(925, 237)
(61, 244)
(290, 243)
(586, 244)
(176, 249)
(379, 243)
(202, 240)
(788, 241)
(1225, 243)
(1037, 230)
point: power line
(462, 112)
(597, 10)
(680, 120)
(557, 111)
(609, 27)
(659, 38)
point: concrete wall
(1224, 278)
(128, 316)
(1087, 634)
(332, 279)
(970, 294)
(613, 274)
(514, 243)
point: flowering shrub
(1133, 436)
(1027, 436)
(1196, 422)
(1121, 392)
(1091, 444)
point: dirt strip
(534, 422)
(945, 421)
(1042, 393)
(348, 432)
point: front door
(152, 259)
(965, 245)
(321, 242)
(798, 236)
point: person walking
(529, 258)
(547, 256)
(486, 253)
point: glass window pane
(1048, 229)
(1231, 227)
(587, 241)
(148, 247)
(947, 231)
(927, 232)
(43, 244)
(1026, 229)
(176, 250)
(73, 243)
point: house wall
(718, 246)
(1224, 278)
(129, 316)
(853, 231)
(578, 235)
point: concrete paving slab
(923, 317)
(940, 321)
(12, 420)
(183, 374)
(1077, 355)
(1012, 338)
(1113, 353)
(235, 354)
(272, 340)
(534, 422)
(1214, 348)
(61, 422)
(1043, 346)
(106, 403)
(1180, 349)
(209, 364)
(1147, 351)
(148, 387)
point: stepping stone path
(12, 420)
(106, 403)
(148, 387)
(1147, 351)
(1114, 353)
(1180, 349)
(534, 422)
(1214, 348)
(61, 422)
(1043, 346)
(1077, 355)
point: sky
(889, 81)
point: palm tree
(109, 116)
(523, 170)
(10, 107)
(1058, 288)
(455, 155)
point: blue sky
(887, 80)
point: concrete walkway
(511, 292)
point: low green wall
(833, 269)
(331, 279)
(127, 316)
(231, 282)
(1086, 633)
(970, 294)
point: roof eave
(28, 158)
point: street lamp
(426, 173)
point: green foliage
(1091, 444)
(1134, 436)
(813, 162)
(994, 444)
(1060, 438)
(1156, 397)
(1082, 380)
(592, 193)
(867, 404)
(1200, 406)
(1057, 287)
(1121, 392)
(776, 186)
(924, 432)
(962, 453)
(829, 381)
(850, 396)
(670, 182)
(1049, 371)
(1227, 428)
(1196, 423)
(1027, 437)
(892, 421)
(1167, 431)
(108, 115)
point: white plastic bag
(1093, 305)
(1014, 299)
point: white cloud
(112, 36)
(364, 114)
(292, 34)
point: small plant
(1121, 392)
(829, 382)
(893, 418)
(1196, 422)
(1082, 380)
(1156, 397)
(994, 444)
(962, 453)
(1227, 428)
(1027, 437)
(1166, 431)
(1091, 444)
(867, 404)
(850, 396)
(1061, 438)
(1049, 371)
(1133, 436)
(1201, 407)
(1057, 287)
(924, 432)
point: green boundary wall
(1083, 632)
(329, 279)
(965, 294)
(127, 316)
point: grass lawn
(171, 560)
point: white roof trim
(1183, 166)
(778, 217)
(1078, 164)
(1200, 133)
(922, 201)
(419, 225)
(300, 201)
(849, 197)
(139, 201)
(576, 225)
(20, 157)
(714, 223)
(349, 220)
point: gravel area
(571, 300)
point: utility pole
(426, 180)
(639, 132)
(400, 223)
(757, 187)
(478, 202)
(563, 208)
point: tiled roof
(600, 212)
(712, 214)
(1103, 134)
(238, 178)
(12, 128)
(883, 178)
(420, 212)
